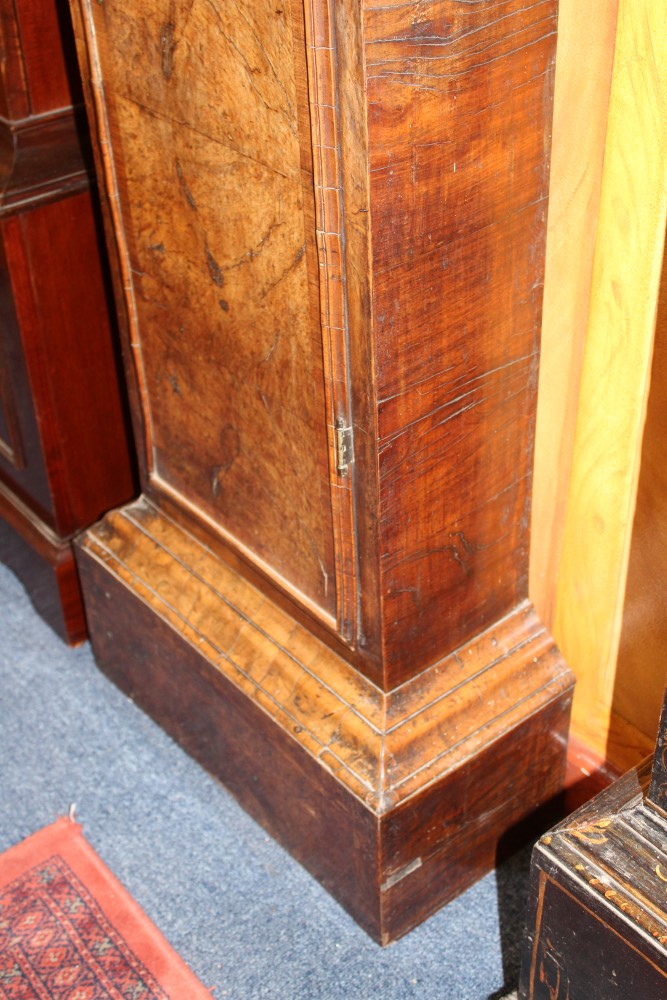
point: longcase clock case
(329, 225)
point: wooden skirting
(45, 565)
(394, 800)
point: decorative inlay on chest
(598, 920)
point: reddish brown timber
(45, 565)
(328, 224)
(427, 777)
(64, 451)
(403, 161)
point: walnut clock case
(64, 452)
(329, 222)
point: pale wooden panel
(642, 665)
(586, 39)
(616, 370)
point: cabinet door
(209, 135)
(22, 465)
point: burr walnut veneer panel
(330, 224)
(217, 215)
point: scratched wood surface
(501, 698)
(273, 138)
(459, 114)
(597, 926)
(334, 212)
(215, 205)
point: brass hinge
(344, 447)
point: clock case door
(229, 249)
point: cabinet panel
(615, 382)
(640, 669)
(46, 55)
(64, 449)
(457, 105)
(222, 266)
(22, 464)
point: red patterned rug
(70, 931)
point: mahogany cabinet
(328, 222)
(64, 455)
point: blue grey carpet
(248, 919)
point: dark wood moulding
(328, 224)
(597, 921)
(597, 924)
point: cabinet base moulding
(394, 800)
(45, 565)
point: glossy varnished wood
(45, 564)
(37, 78)
(640, 668)
(615, 381)
(331, 216)
(459, 104)
(429, 184)
(64, 454)
(321, 755)
(585, 57)
(221, 272)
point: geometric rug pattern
(57, 940)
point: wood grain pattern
(43, 78)
(28, 477)
(616, 371)
(585, 55)
(384, 750)
(74, 383)
(220, 276)
(434, 182)
(459, 109)
(640, 667)
(334, 211)
(597, 924)
(333, 710)
(321, 41)
(64, 451)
